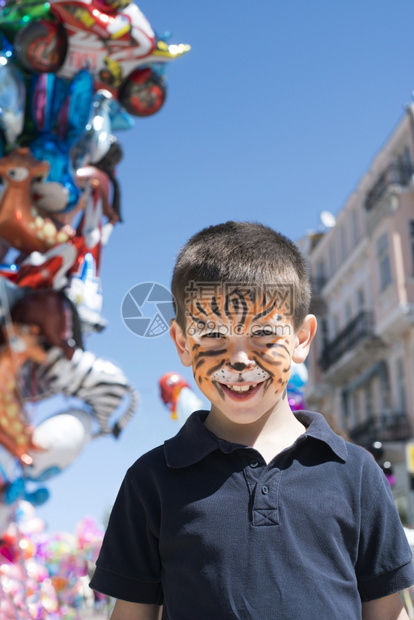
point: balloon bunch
(72, 72)
(43, 575)
(295, 387)
(176, 393)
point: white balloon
(61, 438)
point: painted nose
(239, 366)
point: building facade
(361, 367)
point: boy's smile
(239, 382)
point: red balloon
(170, 385)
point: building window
(355, 407)
(324, 332)
(348, 312)
(320, 271)
(384, 393)
(369, 400)
(400, 383)
(343, 242)
(331, 259)
(335, 325)
(384, 263)
(411, 229)
(360, 300)
(355, 229)
(405, 165)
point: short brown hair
(244, 253)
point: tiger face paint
(240, 346)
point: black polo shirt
(207, 529)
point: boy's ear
(304, 338)
(181, 343)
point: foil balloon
(61, 438)
(15, 431)
(12, 99)
(295, 387)
(100, 384)
(60, 111)
(54, 317)
(143, 93)
(10, 294)
(21, 224)
(99, 127)
(178, 396)
(121, 42)
(56, 267)
(106, 116)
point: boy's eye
(213, 335)
(262, 333)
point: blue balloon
(298, 376)
(60, 110)
(37, 497)
(16, 490)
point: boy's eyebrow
(203, 354)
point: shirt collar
(318, 428)
(194, 441)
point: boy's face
(240, 345)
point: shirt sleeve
(384, 564)
(128, 566)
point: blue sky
(273, 116)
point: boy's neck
(269, 435)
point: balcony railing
(391, 426)
(397, 173)
(362, 326)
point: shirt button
(265, 490)
(254, 464)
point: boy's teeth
(241, 388)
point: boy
(251, 512)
